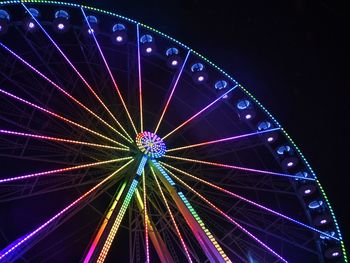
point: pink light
(200, 78)
(60, 26)
(21, 241)
(58, 116)
(248, 116)
(149, 50)
(119, 39)
(139, 75)
(59, 139)
(62, 170)
(198, 113)
(229, 166)
(111, 75)
(289, 164)
(231, 220)
(61, 90)
(172, 91)
(31, 25)
(221, 140)
(145, 216)
(270, 139)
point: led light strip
(139, 74)
(20, 241)
(61, 89)
(58, 116)
(111, 75)
(201, 111)
(230, 219)
(56, 139)
(121, 213)
(104, 224)
(247, 200)
(172, 217)
(172, 91)
(236, 167)
(63, 170)
(206, 230)
(145, 216)
(222, 140)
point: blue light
(34, 12)
(315, 204)
(141, 165)
(264, 125)
(284, 149)
(221, 84)
(118, 27)
(146, 39)
(197, 67)
(172, 51)
(163, 172)
(243, 104)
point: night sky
(290, 54)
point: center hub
(150, 144)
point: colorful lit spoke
(172, 217)
(104, 224)
(139, 72)
(222, 140)
(247, 200)
(10, 249)
(76, 71)
(59, 117)
(236, 167)
(111, 235)
(172, 91)
(145, 215)
(56, 139)
(62, 90)
(110, 72)
(201, 111)
(63, 170)
(150, 144)
(230, 219)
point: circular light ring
(150, 144)
(221, 84)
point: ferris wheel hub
(150, 144)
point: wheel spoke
(62, 90)
(200, 112)
(20, 242)
(139, 74)
(62, 170)
(172, 217)
(58, 116)
(222, 140)
(230, 219)
(172, 90)
(111, 75)
(246, 200)
(56, 139)
(236, 167)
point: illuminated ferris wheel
(118, 142)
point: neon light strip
(10, 249)
(172, 217)
(162, 171)
(139, 72)
(172, 91)
(104, 224)
(222, 140)
(236, 167)
(111, 75)
(202, 110)
(58, 116)
(116, 224)
(62, 170)
(145, 216)
(61, 89)
(206, 230)
(231, 219)
(217, 68)
(74, 68)
(247, 200)
(141, 165)
(49, 138)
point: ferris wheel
(118, 142)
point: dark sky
(290, 54)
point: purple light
(225, 96)
(289, 164)
(90, 31)
(335, 254)
(0, 27)
(119, 38)
(60, 26)
(307, 191)
(174, 62)
(270, 139)
(200, 78)
(31, 25)
(248, 116)
(149, 50)
(323, 221)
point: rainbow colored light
(150, 144)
